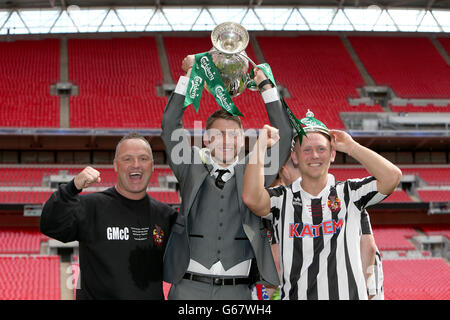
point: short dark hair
(222, 114)
(132, 135)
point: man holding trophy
(218, 248)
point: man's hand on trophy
(188, 63)
(260, 78)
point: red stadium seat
(30, 176)
(40, 197)
(412, 67)
(436, 176)
(27, 68)
(29, 278)
(24, 197)
(394, 237)
(319, 73)
(420, 279)
(20, 240)
(433, 230)
(117, 81)
(434, 195)
(398, 196)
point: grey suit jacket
(191, 174)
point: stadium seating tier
(27, 68)
(319, 74)
(394, 237)
(117, 81)
(20, 240)
(29, 278)
(399, 63)
(419, 279)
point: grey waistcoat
(216, 231)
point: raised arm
(279, 119)
(175, 138)
(387, 174)
(254, 195)
(64, 210)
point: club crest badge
(269, 234)
(158, 236)
(334, 203)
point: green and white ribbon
(205, 71)
(295, 123)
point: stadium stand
(170, 197)
(39, 197)
(343, 173)
(24, 197)
(249, 103)
(418, 279)
(434, 195)
(432, 230)
(29, 278)
(398, 196)
(434, 176)
(20, 240)
(399, 63)
(394, 237)
(27, 68)
(116, 80)
(32, 176)
(437, 176)
(321, 75)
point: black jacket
(121, 241)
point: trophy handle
(250, 84)
(250, 60)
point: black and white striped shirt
(319, 238)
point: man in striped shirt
(371, 260)
(317, 220)
(370, 255)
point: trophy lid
(229, 38)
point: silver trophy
(229, 41)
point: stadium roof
(66, 16)
(424, 4)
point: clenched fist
(268, 136)
(259, 76)
(86, 178)
(188, 62)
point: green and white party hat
(311, 124)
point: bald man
(122, 232)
